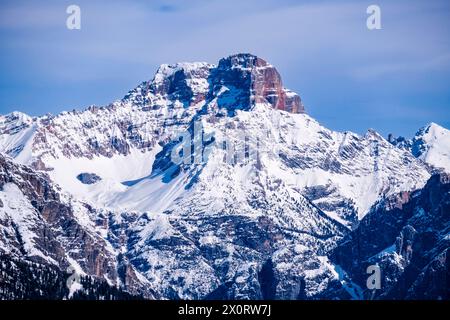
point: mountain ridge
(262, 194)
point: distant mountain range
(212, 182)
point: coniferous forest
(27, 280)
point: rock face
(257, 216)
(430, 144)
(183, 82)
(250, 80)
(147, 114)
(408, 237)
(39, 224)
(88, 178)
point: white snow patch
(18, 208)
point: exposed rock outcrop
(248, 79)
(88, 178)
(39, 224)
(408, 240)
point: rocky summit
(265, 202)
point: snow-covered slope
(39, 223)
(430, 144)
(263, 191)
(342, 173)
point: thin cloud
(440, 63)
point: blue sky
(394, 80)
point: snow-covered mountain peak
(166, 70)
(432, 131)
(243, 61)
(184, 82)
(372, 133)
(14, 121)
(118, 156)
(272, 192)
(238, 82)
(430, 144)
(193, 73)
(241, 81)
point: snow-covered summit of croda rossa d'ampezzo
(211, 181)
